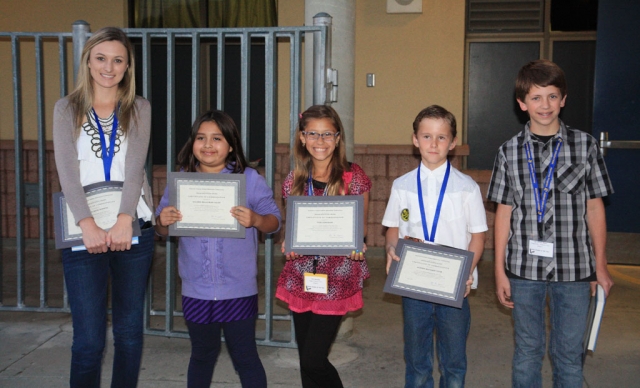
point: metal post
(81, 31)
(295, 101)
(271, 113)
(245, 90)
(321, 58)
(42, 172)
(171, 162)
(17, 141)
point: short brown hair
(436, 112)
(542, 73)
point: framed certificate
(103, 199)
(434, 273)
(325, 225)
(205, 201)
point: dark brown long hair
(302, 159)
(235, 160)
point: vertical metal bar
(220, 72)
(146, 65)
(270, 100)
(245, 79)
(295, 91)
(62, 50)
(321, 58)
(17, 124)
(81, 30)
(146, 93)
(195, 76)
(42, 173)
(171, 162)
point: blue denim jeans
(86, 277)
(451, 326)
(568, 305)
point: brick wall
(383, 164)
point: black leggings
(315, 334)
(241, 342)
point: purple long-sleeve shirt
(225, 268)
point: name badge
(540, 248)
(316, 283)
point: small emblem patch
(404, 214)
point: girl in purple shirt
(219, 275)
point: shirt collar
(528, 135)
(438, 172)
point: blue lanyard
(436, 216)
(541, 198)
(310, 187)
(311, 194)
(107, 153)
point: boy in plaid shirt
(550, 229)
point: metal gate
(35, 195)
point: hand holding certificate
(325, 225)
(103, 199)
(429, 272)
(205, 201)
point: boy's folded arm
(597, 223)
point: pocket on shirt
(570, 179)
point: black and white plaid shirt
(580, 175)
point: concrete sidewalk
(35, 347)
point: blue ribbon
(541, 198)
(436, 216)
(107, 153)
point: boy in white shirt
(459, 222)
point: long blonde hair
(302, 159)
(81, 99)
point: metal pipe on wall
(343, 13)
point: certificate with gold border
(429, 272)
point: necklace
(91, 129)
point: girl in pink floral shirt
(320, 162)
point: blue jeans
(568, 305)
(452, 328)
(240, 337)
(86, 277)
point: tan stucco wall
(44, 16)
(418, 60)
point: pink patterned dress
(345, 276)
